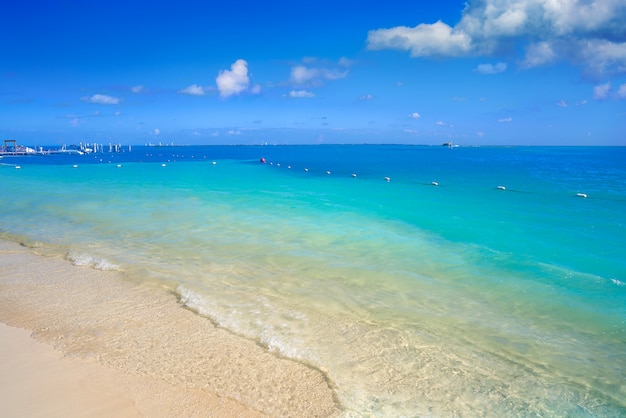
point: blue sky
(497, 72)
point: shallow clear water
(414, 299)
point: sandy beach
(80, 342)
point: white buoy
(75, 166)
(213, 162)
(434, 183)
(353, 174)
(501, 188)
(387, 178)
(277, 164)
(18, 167)
(289, 167)
(119, 165)
(328, 172)
(163, 165)
(306, 169)
(583, 195)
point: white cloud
(505, 120)
(315, 73)
(256, 89)
(366, 97)
(235, 80)
(302, 75)
(193, 90)
(601, 92)
(437, 39)
(584, 32)
(440, 123)
(415, 115)
(537, 54)
(156, 131)
(562, 103)
(604, 92)
(571, 16)
(301, 93)
(491, 69)
(137, 89)
(118, 113)
(102, 99)
(601, 56)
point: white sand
(102, 346)
(38, 381)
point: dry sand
(99, 345)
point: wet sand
(83, 342)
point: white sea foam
(86, 260)
(203, 306)
(277, 337)
(617, 282)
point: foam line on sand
(92, 343)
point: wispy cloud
(589, 33)
(314, 73)
(505, 120)
(233, 81)
(301, 94)
(366, 97)
(491, 69)
(415, 115)
(137, 89)
(562, 103)
(605, 92)
(193, 90)
(601, 92)
(102, 99)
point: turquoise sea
(423, 281)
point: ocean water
(423, 281)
